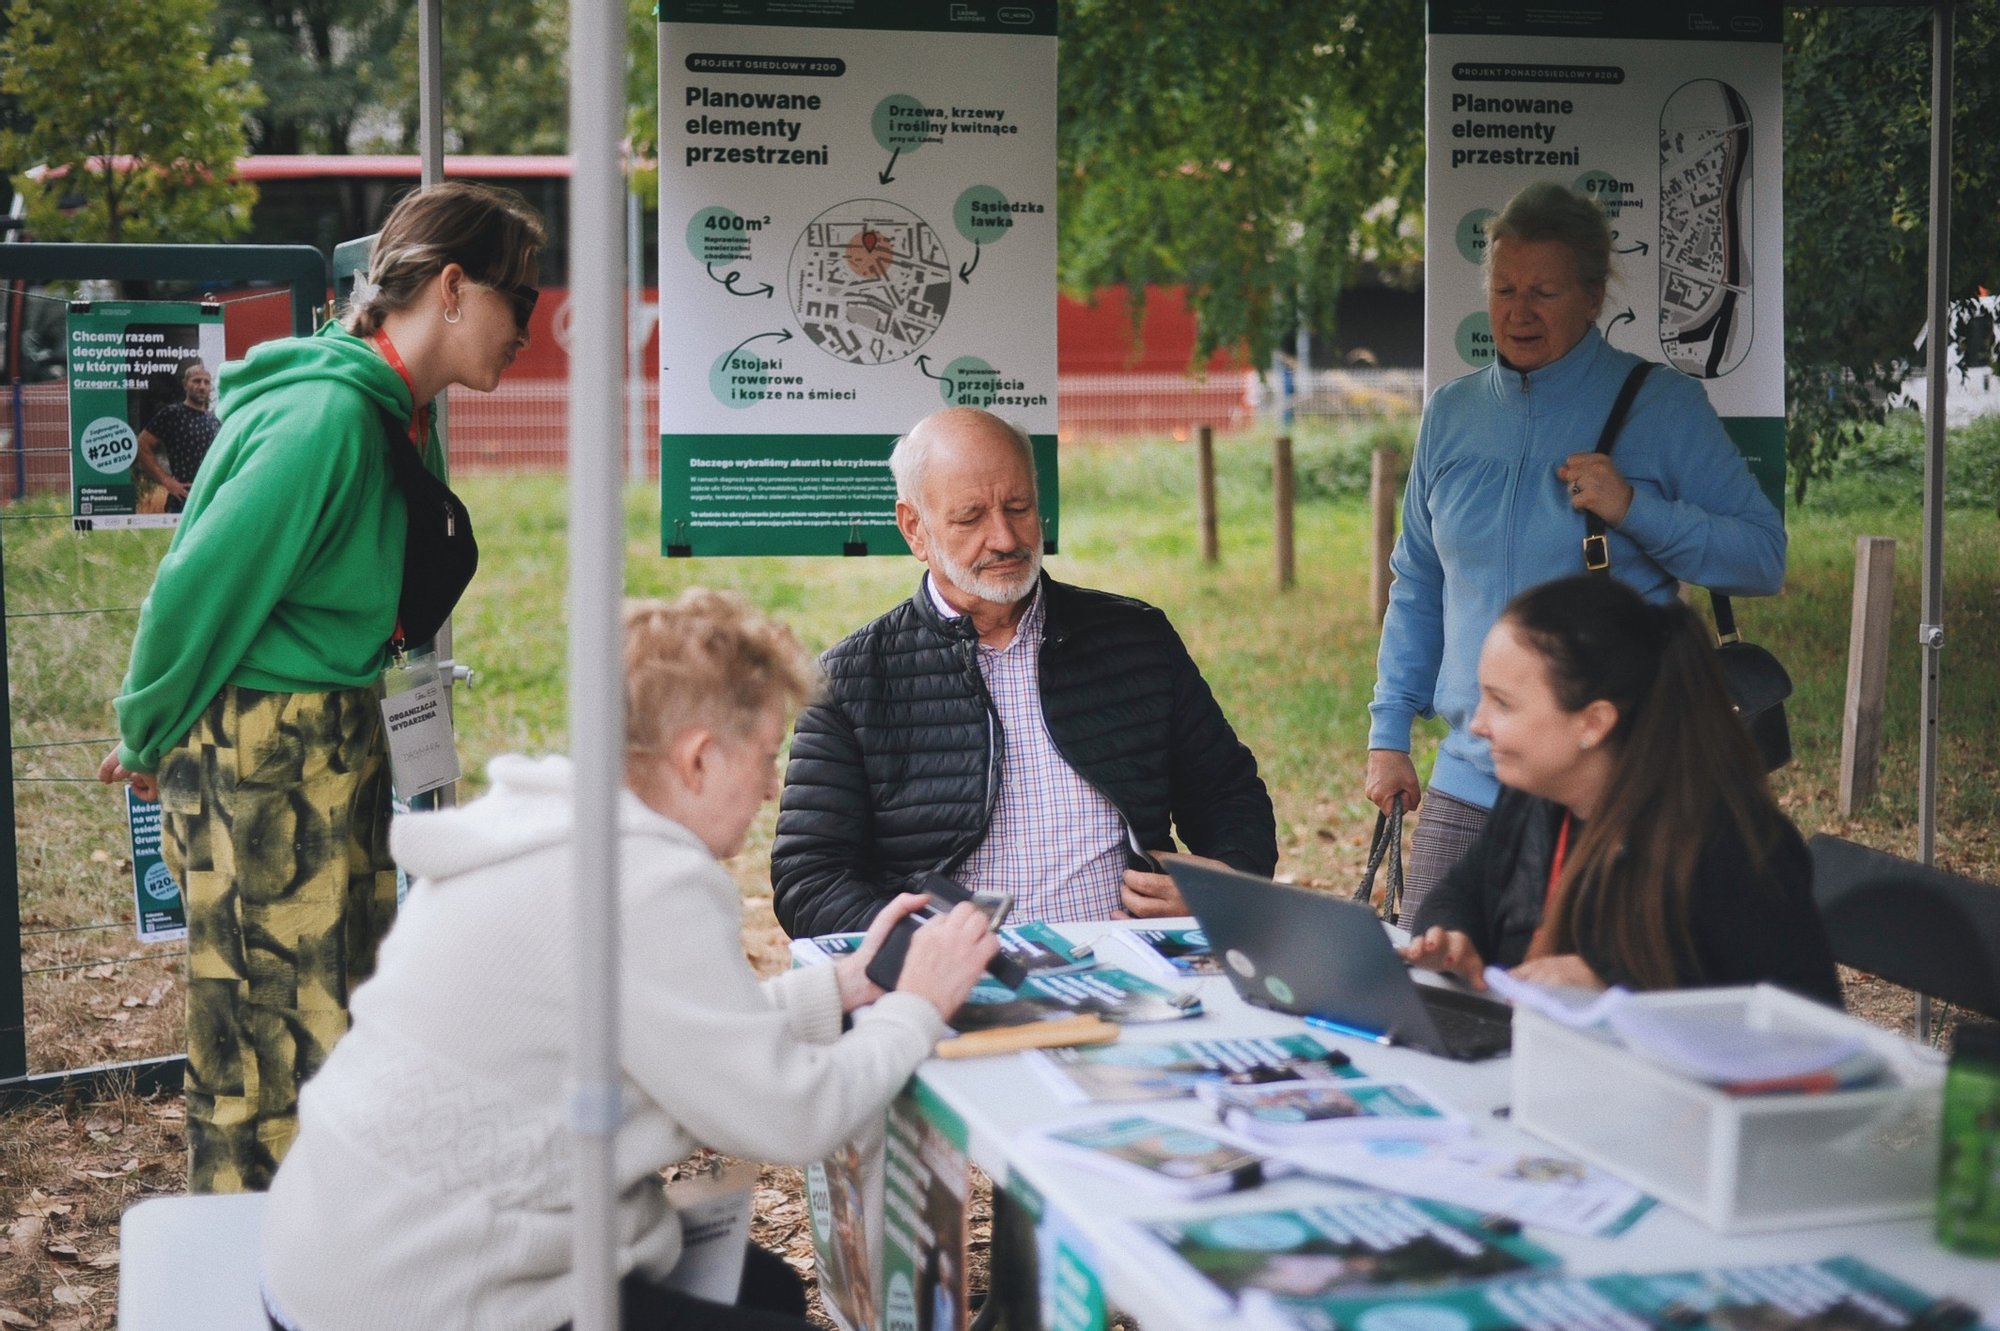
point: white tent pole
(1931, 627)
(430, 92)
(596, 662)
(430, 156)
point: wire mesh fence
(92, 991)
(524, 424)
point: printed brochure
(1140, 1070)
(1841, 1294)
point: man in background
(184, 429)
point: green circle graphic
(1475, 338)
(968, 382)
(719, 235)
(1258, 1233)
(160, 885)
(1471, 235)
(981, 215)
(900, 124)
(725, 380)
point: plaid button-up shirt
(1055, 842)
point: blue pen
(1338, 1028)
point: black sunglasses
(522, 299)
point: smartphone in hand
(944, 893)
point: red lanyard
(420, 423)
(1556, 865)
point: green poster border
(1016, 18)
(681, 538)
(1761, 441)
(1717, 21)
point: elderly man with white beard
(1011, 731)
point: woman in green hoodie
(249, 709)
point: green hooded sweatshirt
(288, 564)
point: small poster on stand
(157, 909)
(141, 408)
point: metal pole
(430, 90)
(430, 154)
(1930, 629)
(635, 340)
(596, 685)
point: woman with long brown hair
(1635, 840)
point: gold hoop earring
(452, 316)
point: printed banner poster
(1669, 116)
(840, 1196)
(156, 898)
(857, 227)
(927, 1184)
(124, 360)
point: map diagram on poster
(1705, 198)
(857, 225)
(870, 282)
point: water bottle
(1968, 1196)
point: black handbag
(1388, 844)
(1758, 683)
(440, 554)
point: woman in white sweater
(429, 1186)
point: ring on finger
(1576, 487)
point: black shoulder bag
(1758, 684)
(439, 553)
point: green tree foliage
(122, 97)
(506, 77)
(321, 64)
(1258, 151)
(1857, 220)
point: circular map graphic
(870, 281)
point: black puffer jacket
(896, 771)
(1747, 925)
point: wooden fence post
(1867, 670)
(1281, 517)
(1382, 503)
(1205, 484)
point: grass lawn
(1293, 670)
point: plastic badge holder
(1739, 1163)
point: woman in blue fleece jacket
(1505, 469)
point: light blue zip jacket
(1485, 517)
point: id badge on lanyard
(421, 750)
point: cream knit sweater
(429, 1185)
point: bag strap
(1388, 841)
(1596, 549)
(1725, 618)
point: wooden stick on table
(1033, 1035)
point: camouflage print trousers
(277, 824)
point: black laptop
(1315, 954)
